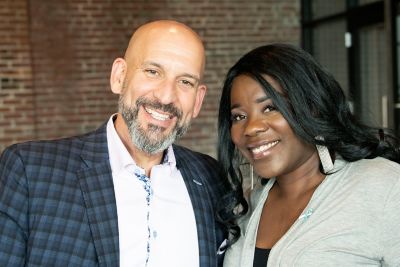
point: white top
(352, 219)
(169, 219)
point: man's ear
(118, 73)
(201, 92)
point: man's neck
(142, 159)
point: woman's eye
(269, 108)
(237, 117)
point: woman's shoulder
(372, 175)
(377, 166)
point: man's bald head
(164, 33)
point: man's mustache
(168, 108)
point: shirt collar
(119, 155)
(169, 157)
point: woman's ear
(118, 73)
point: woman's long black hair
(312, 102)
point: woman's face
(261, 133)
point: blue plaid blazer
(57, 203)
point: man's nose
(166, 92)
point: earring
(252, 177)
(324, 156)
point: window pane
(330, 51)
(323, 8)
(373, 69)
(365, 2)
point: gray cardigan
(352, 219)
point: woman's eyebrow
(262, 99)
(258, 100)
(235, 106)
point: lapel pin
(306, 214)
(197, 182)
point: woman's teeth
(263, 148)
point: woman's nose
(255, 126)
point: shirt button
(155, 234)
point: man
(122, 195)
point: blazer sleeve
(13, 209)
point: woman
(330, 193)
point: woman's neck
(301, 181)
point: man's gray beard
(152, 141)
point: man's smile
(157, 115)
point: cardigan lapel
(97, 187)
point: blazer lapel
(201, 203)
(97, 187)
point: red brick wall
(17, 112)
(58, 85)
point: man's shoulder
(202, 166)
(67, 146)
(197, 163)
(186, 154)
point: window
(357, 42)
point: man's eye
(151, 72)
(237, 117)
(187, 83)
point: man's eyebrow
(152, 63)
(194, 77)
(185, 74)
